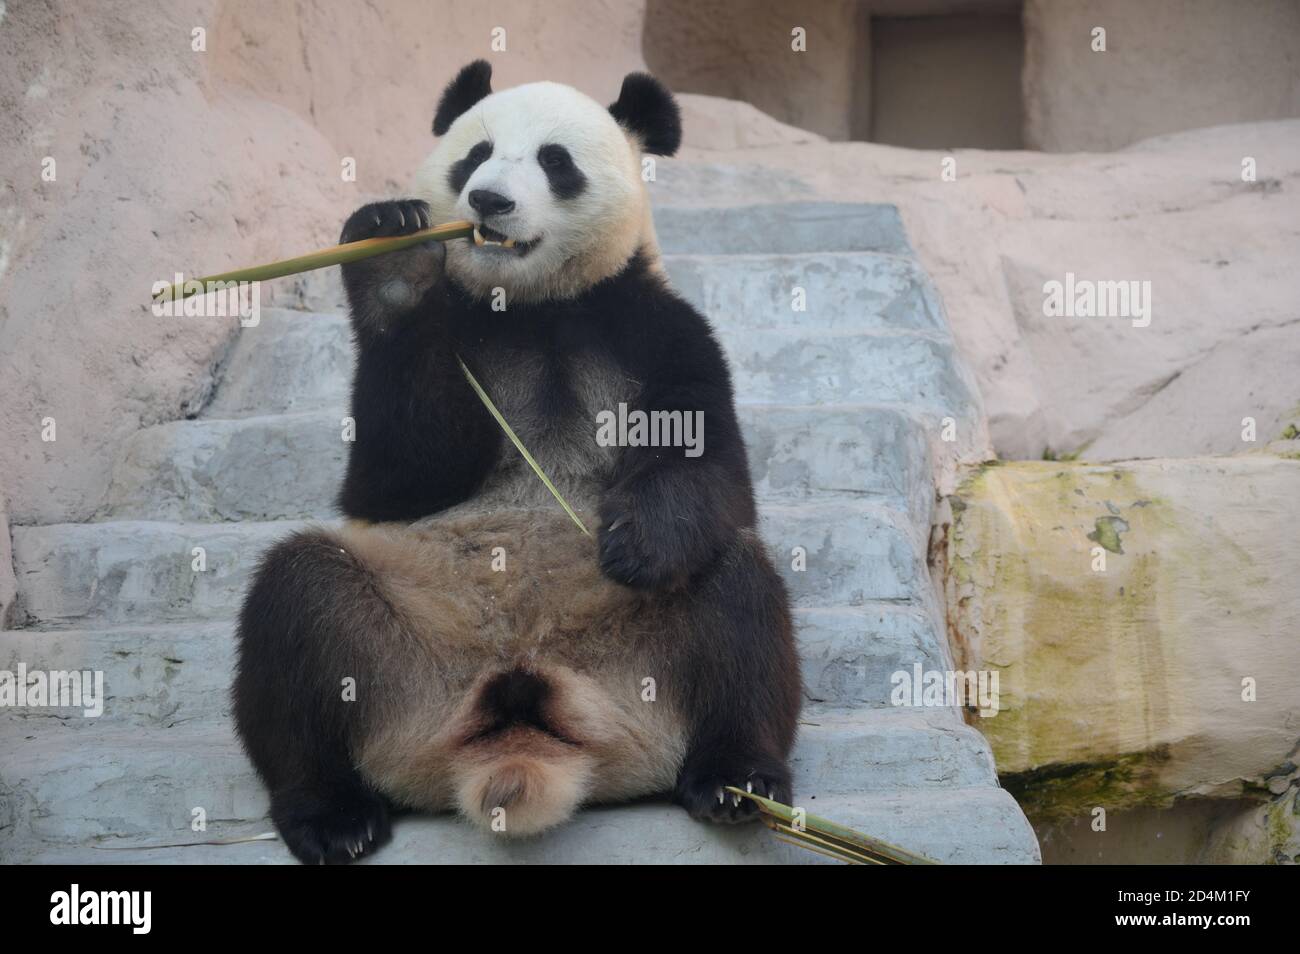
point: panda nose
(486, 202)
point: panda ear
(647, 109)
(471, 84)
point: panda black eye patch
(565, 178)
(460, 171)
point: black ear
(646, 108)
(470, 85)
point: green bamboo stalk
(823, 836)
(335, 255)
(519, 445)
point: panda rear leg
(313, 620)
(746, 690)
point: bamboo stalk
(823, 836)
(335, 255)
(823, 846)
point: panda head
(551, 179)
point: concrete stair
(841, 405)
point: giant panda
(459, 644)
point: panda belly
(527, 682)
(521, 688)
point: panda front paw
(383, 219)
(639, 547)
(389, 285)
(656, 533)
(333, 828)
(703, 791)
(627, 556)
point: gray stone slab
(844, 554)
(134, 572)
(808, 293)
(781, 228)
(289, 361)
(849, 655)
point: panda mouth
(489, 238)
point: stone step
(176, 674)
(87, 784)
(912, 368)
(839, 552)
(294, 361)
(137, 572)
(291, 465)
(780, 228)
(831, 291)
(953, 826)
(850, 654)
(289, 361)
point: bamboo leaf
(519, 445)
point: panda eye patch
(564, 177)
(460, 171)
(554, 157)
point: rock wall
(1169, 65)
(1142, 619)
(743, 51)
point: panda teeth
(480, 240)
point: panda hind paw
(705, 797)
(335, 830)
